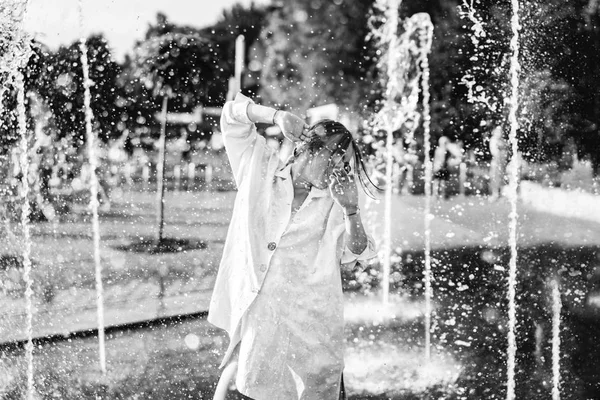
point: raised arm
(345, 193)
(238, 121)
(359, 246)
(239, 133)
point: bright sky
(56, 22)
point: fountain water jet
(512, 195)
(406, 67)
(387, 37)
(426, 38)
(556, 310)
(475, 92)
(12, 63)
(93, 161)
(15, 43)
(393, 6)
(24, 166)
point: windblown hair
(337, 138)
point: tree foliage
(8, 99)
(57, 78)
(60, 83)
(564, 42)
(316, 54)
(172, 65)
(238, 20)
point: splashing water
(512, 195)
(93, 161)
(384, 29)
(475, 93)
(24, 165)
(467, 10)
(15, 44)
(393, 21)
(386, 35)
(426, 37)
(406, 67)
(401, 77)
(556, 310)
(15, 47)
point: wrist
(274, 122)
(351, 210)
(260, 114)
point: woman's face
(315, 168)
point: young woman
(295, 222)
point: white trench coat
(278, 292)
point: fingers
(296, 129)
(342, 175)
(335, 185)
(304, 137)
(340, 180)
(306, 134)
(292, 126)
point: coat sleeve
(239, 135)
(348, 257)
(345, 256)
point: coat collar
(284, 171)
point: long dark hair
(337, 138)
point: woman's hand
(343, 189)
(293, 127)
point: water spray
(512, 195)
(556, 314)
(426, 38)
(93, 162)
(12, 63)
(25, 211)
(406, 76)
(392, 16)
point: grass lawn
(63, 274)
(384, 356)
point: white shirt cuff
(240, 107)
(369, 252)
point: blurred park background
(314, 58)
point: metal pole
(160, 172)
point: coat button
(263, 267)
(272, 246)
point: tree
(577, 64)
(313, 61)
(203, 64)
(317, 54)
(547, 117)
(465, 66)
(561, 80)
(60, 84)
(136, 105)
(57, 78)
(32, 71)
(238, 20)
(559, 85)
(12, 51)
(171, 66)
